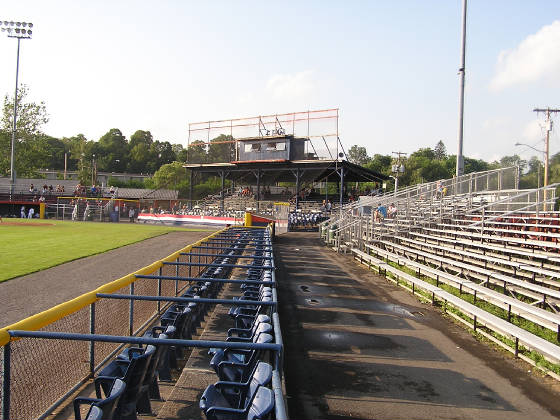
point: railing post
(177, 275)
(92, 343)
(131, 312)
(160, 273)
(6, 353)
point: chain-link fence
(38, 374)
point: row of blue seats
(242, 391)
(126, 385)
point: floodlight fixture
(19, 33)
(16, 29)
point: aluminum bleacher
(485, 247)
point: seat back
(95, 413)
(244, 361)
(134, 376)
(262, 404)
(109, 404)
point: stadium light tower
(18, 30)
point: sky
(391, 68)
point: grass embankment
(35, 245)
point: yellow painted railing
(64, 309)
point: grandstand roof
(273, 171)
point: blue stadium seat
(249, 332)
(258, 408)
(107, 406)
(132, 372)
(234, 394)
(95, 413)
(236, 365)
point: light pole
(19, 30)
(93, 171)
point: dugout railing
(46, 358)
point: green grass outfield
(34, 245)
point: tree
(141, 157)
(30, 115)
(113, 153)
(31, 148)
(358, 155)
(196, 152)
(141, 136)
(514, 160)
(380, 163)
(221, 149)
(440, 152)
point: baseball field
(27, 246)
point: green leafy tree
(513, 160)
(31, 147)
(380, 163)
(358, 155)
(141, 157)
(221, 150)
(196, 153)
(31, 117)
(440, 152)
(113, 151)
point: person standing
(131, 215)
(86, 212)
(31, 213)
(75, 211)
(22, 212)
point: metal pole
(12, 170)
(459, 170)
(6, 382)
(131, 312)
(546, 151)
(92, 343)
(159, 289)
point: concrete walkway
(359, 347)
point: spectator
(380, 213)
(31, 188)
(86, 212)
(131, 215)
(439, 190)
(42, 199)
(392, 211)
(329, 206)
(75, 211)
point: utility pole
(548, 127)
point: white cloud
(291, 85)
(537, 57)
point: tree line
(431, 164)
(141, 153)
